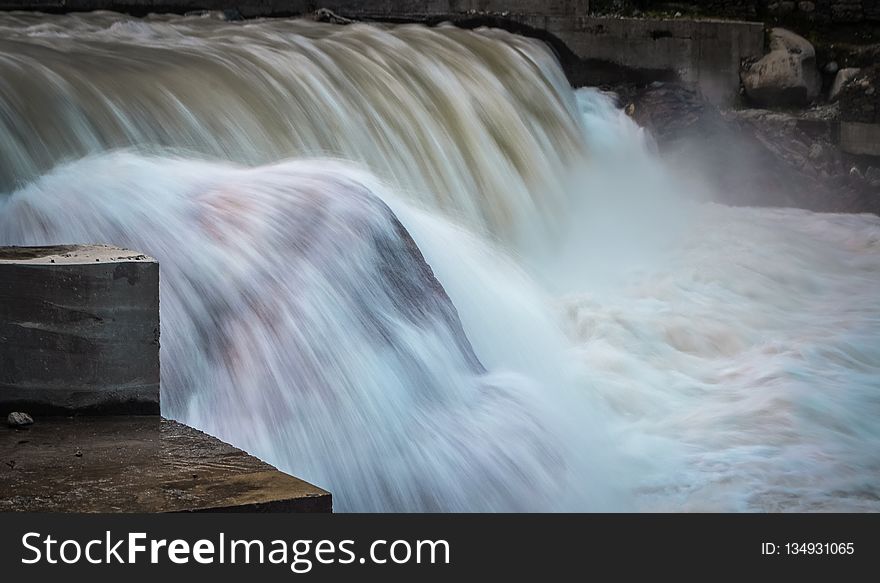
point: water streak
(620, 346)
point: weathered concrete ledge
(79, 330)
(139, 464)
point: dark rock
(843, 11)
(327, 15)
(786, 8)
(754, 157)
(859, 98)
(673, 111)
(807, 7)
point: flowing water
(620, 345)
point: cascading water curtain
(414, 267)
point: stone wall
(825, 11)
(822, 11)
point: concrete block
(139, 463)
(860, 138)
(79, 330)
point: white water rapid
(607, 342)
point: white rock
(843, 77)
(787, 75)
(19, 419)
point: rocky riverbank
(757, 157)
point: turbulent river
(602, 340)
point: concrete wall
(79, 330)
(704, 52)
(860, 138)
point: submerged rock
(787, 75)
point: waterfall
(414, 267)
(403, 101)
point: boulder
(18, 419)
(843, 77)
(785, 76)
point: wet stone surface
(139, 464)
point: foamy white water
(621, 347)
